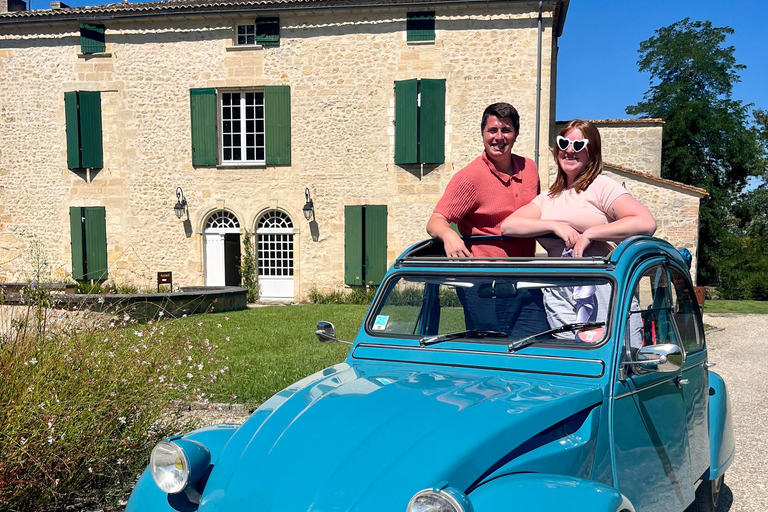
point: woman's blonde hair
(594, 164)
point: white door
(274, 238)
(214, 259)
(220, 223)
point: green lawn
(736, 306)
(272, 347)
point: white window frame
(252, 33)
(243, 146)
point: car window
(651, 318)
(516, 307)
(686, 312)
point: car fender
(722, 445)
(148, 496)
(539, 492)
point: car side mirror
(326, 333)
(664, 358)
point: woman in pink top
(587, 211)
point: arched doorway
(274, 243)
(222, 249)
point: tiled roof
(651, 177)
(646, 120)
(127, 9)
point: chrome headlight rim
(184, 470)
(448, 494)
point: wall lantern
(309, 206)
(181, 204)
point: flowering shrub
(85, 397)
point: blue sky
(597, 73)
(597, 64)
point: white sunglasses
(577, 144)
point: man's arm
(438, 226)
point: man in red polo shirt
(478, 198)
(485, 192)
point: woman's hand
(569, 235)
(581, 245)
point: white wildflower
(33, 360)
(189, 375)
(121, 419)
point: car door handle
(710, 365)
(682, 382)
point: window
(92, 39)
(253, 126)
(245, 35)
(420, 121)
(365, 244)
(686, 312)
(242, 127)
(83, 124)
(268, 31)
(275, 244)
(509, 308)
(421, 26)
(89, 243)
(650, 319)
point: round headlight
(169, 467)
(432, 500)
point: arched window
(274, 234)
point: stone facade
(341, 67)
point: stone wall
(341, 68)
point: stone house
(325, 129)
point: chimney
(12, 5)
(58, 5)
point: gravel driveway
(737, 345)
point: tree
(708, 141)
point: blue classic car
(484, 385)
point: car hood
(363, 438)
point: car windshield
(519, 311)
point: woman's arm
(632, 218)
(527, 222)
(438, 226)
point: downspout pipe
(538, 87)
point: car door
(695, 383)
(651, 454)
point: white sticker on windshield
(381, 323)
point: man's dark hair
(502, 111)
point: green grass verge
(270, 348)
(736, 306)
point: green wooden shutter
(268, 31)
(353, 245)
(421, 26)
(375, 244)
(73, 130)
(92, 151)
(277, 121)
(76, 237)
(432, 121)
(95, 242)
(203, 115)
(406, 122)
(92, 39)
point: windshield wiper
(530, 340)
(471, 333)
